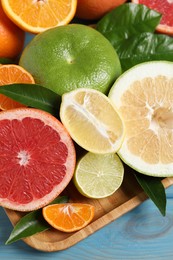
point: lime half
(98, 176)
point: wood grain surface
(127, 197)
(142, 233)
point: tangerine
(11, 37)
(9, 74)
(68, 217)
(38, 16)
(95, 9)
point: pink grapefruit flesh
(165, 7)
(37, 158)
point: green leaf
(130, 29)
(154, 189)
(33, 95)
(152, 186)
(127, 20)
(32, 223)
(145, 47)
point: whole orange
(95, 9)
(11, 37)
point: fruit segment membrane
(149, 121)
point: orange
(11, 37)
(95, 9)
(37, 158)
(165, 7)
(10, 74)
(68, 217)
(37, 16)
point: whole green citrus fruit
(71, 56)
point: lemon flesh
(144, 98)
(92, 121)
(71, 56)
(98, 176)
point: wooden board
(127, 197)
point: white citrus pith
(144, 98)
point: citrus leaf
(32, 223)
(127, 20)
(154, 189)
(145, 47)
(130, 29)
(33, 95)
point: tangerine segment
(144, 97)
(37, 16)
(165, 7)
(68, 217)
(10, 74)
(37, 158)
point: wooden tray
(127, 197)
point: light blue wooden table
(140, 234)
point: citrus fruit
(38, 16)
(10, 74)
(98, 175)
(165, 7)
(95, 9)
(11, 37)
(143, 96)
(68, 217)
(71, 56)
(92, 120)
(37, 158)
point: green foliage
(32, 223)
(33, 95)
(131, 30)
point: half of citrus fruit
(165, 7)
(38, 16)
(68, 217)
(98, 175)
(144, 96)
(37, 158)
(92, 120)
(9, 74)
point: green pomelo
(71, 56)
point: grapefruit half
(37, 158)
(165, 7)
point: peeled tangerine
(143, 96)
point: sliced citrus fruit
(98, 175)
(165, 7)
(38, 16)
(68, 217)
(10, 74)
(92, 120)
(144, 95)
(37, 158)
